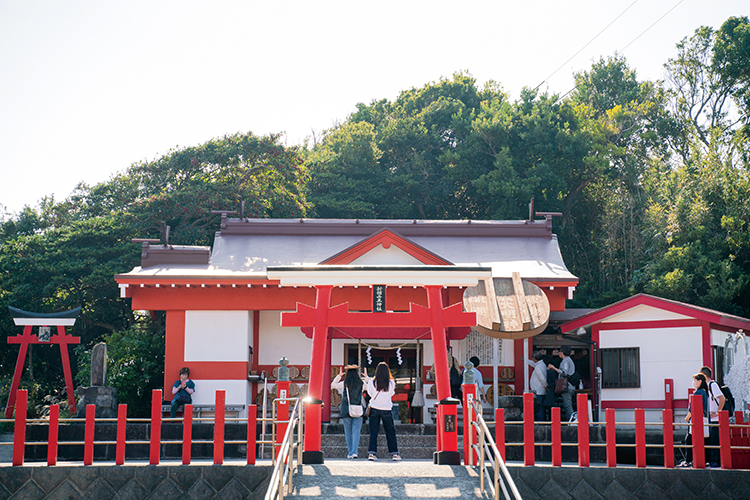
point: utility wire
(632, 41)
(589, 43)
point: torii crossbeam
(29, 320)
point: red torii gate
(322, 317)
(28, 320)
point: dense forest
(651, 178)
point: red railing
(154, 442)
(734, 438)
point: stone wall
(135, 482)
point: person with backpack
(716, 402)
(566, 370)
(700, 384)
(481, 392)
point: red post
(469, 393)
(122, 427)
(63, 340)
(219, 428)
(699, 450)
(556, 437)
(500, 431)
(155, 446)
(669, 394)
(609, 416)
(54, 423)
(438, 419)
(640, 437)
(583, 431)
(724, 440)
(282, 411)
(668, 432)
(449, 427)
(88, 440)
(24, 340)
(528, 429)
(187, 433)
(252, 427)
(19, 426)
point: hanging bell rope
(417, 401)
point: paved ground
(386, 479)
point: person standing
(381, 389)
(700, 384)
(716, 402)
(567, 368)
(182, 390)
(538, 381)
(481, 392)
(351, 388)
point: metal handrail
(486, 448)
(283, 466)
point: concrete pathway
(386, 479)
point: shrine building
(326, 293)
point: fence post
(609, 416)
(155, 446)
(19, 426)
(252, 429)
(187, 433)
(54, 423)
(528, 428)
(219, 428)
(500, 431)
(122, 427)
(668, 432)
(583, 430)
(725, 441)
(640, 437)
(699, 450)
(556, 437)
(470, 435)
(88, 444)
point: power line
(631, 42)
(589, 42)
(644, 31)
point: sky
(87, 88)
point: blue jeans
(352, 427)
(390, 431)
(567, 398)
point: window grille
(621, 367)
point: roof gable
(631, 309)
(386, 247)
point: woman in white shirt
(381, 390)
(351, 393)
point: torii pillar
(323, 317)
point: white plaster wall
(217, 335)
(644, 313)
(277, 341)
(236, 392)
(674, 353)
(381, 256)
(718, 337)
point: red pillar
(640, 437)
(19, 427)
(669, 394)
(54, 421)
(500, 431)
(24, 341)
(699, 450)
(448, 454)
(583, 431)
(88, 445)
(556, 437)
(325, 390)
(252, 425)
(609, 416)
(282, 411)
(313, 453)
(528, 428)
(187, 434)
(724, 440)
(469, 391)
(155, 443)
(219, 428)
(63, 340)
(122, 425)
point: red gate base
(447, 428)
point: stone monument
(98, 394)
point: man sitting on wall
(182, 391)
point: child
(182, 390)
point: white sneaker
(372, 457)
(353, 456)
(396, 458)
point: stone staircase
(415, 441)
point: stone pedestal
(104, 398)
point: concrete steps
(415, 441)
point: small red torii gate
(29, 320)
(322, 317)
